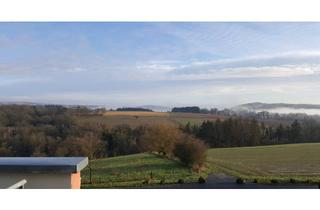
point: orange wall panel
(75, 180)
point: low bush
(160, 138)
(180, 181)
(292, 181)
(202, 180)
(240, 181)
(146, 181)
(190, 151)
(162, 181)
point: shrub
(292, 181)
(274, 181)
(240, 181)
(147, 181)
(180, 181)
(190, 151)
(202, 180)
(160, 138)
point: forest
(53, 130)
(237, 132)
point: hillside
(281, 108)
(156, 108)
(265, 164)
(135, 171)
(258, 105)
(281, 162)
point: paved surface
(222, 181)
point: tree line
(133, 109)
(236, 132)
(188, 109)
(54, 131)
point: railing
(18, 185)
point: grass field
(300, 162)
(264, 164)
(133, 170)
(134, 119)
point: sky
(118, 64)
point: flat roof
(43, 164)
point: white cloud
(156, 68)
(284, 58)
(13, 81)
(289, 64)
(75, 70)
(252, 72)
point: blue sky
(170, 64)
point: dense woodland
(188, 109)
(236, 132)
(55, 131)
(134, 109)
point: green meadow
(135, 171)
(263, 164)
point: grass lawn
(300, 162)
(133, 170)
(265, 164)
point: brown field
(142, 118)
(136, 118)
(139, 114)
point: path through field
(223, 181)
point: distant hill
(92, 107)
(156, 108)
(21, 103)
(258, 105)
(279, 108)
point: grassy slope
(133, 170)
(281, 162)
(265, 163)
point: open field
(134, 170)
(134, 119)
(264, 163)
(136, 114)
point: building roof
(43, 164)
